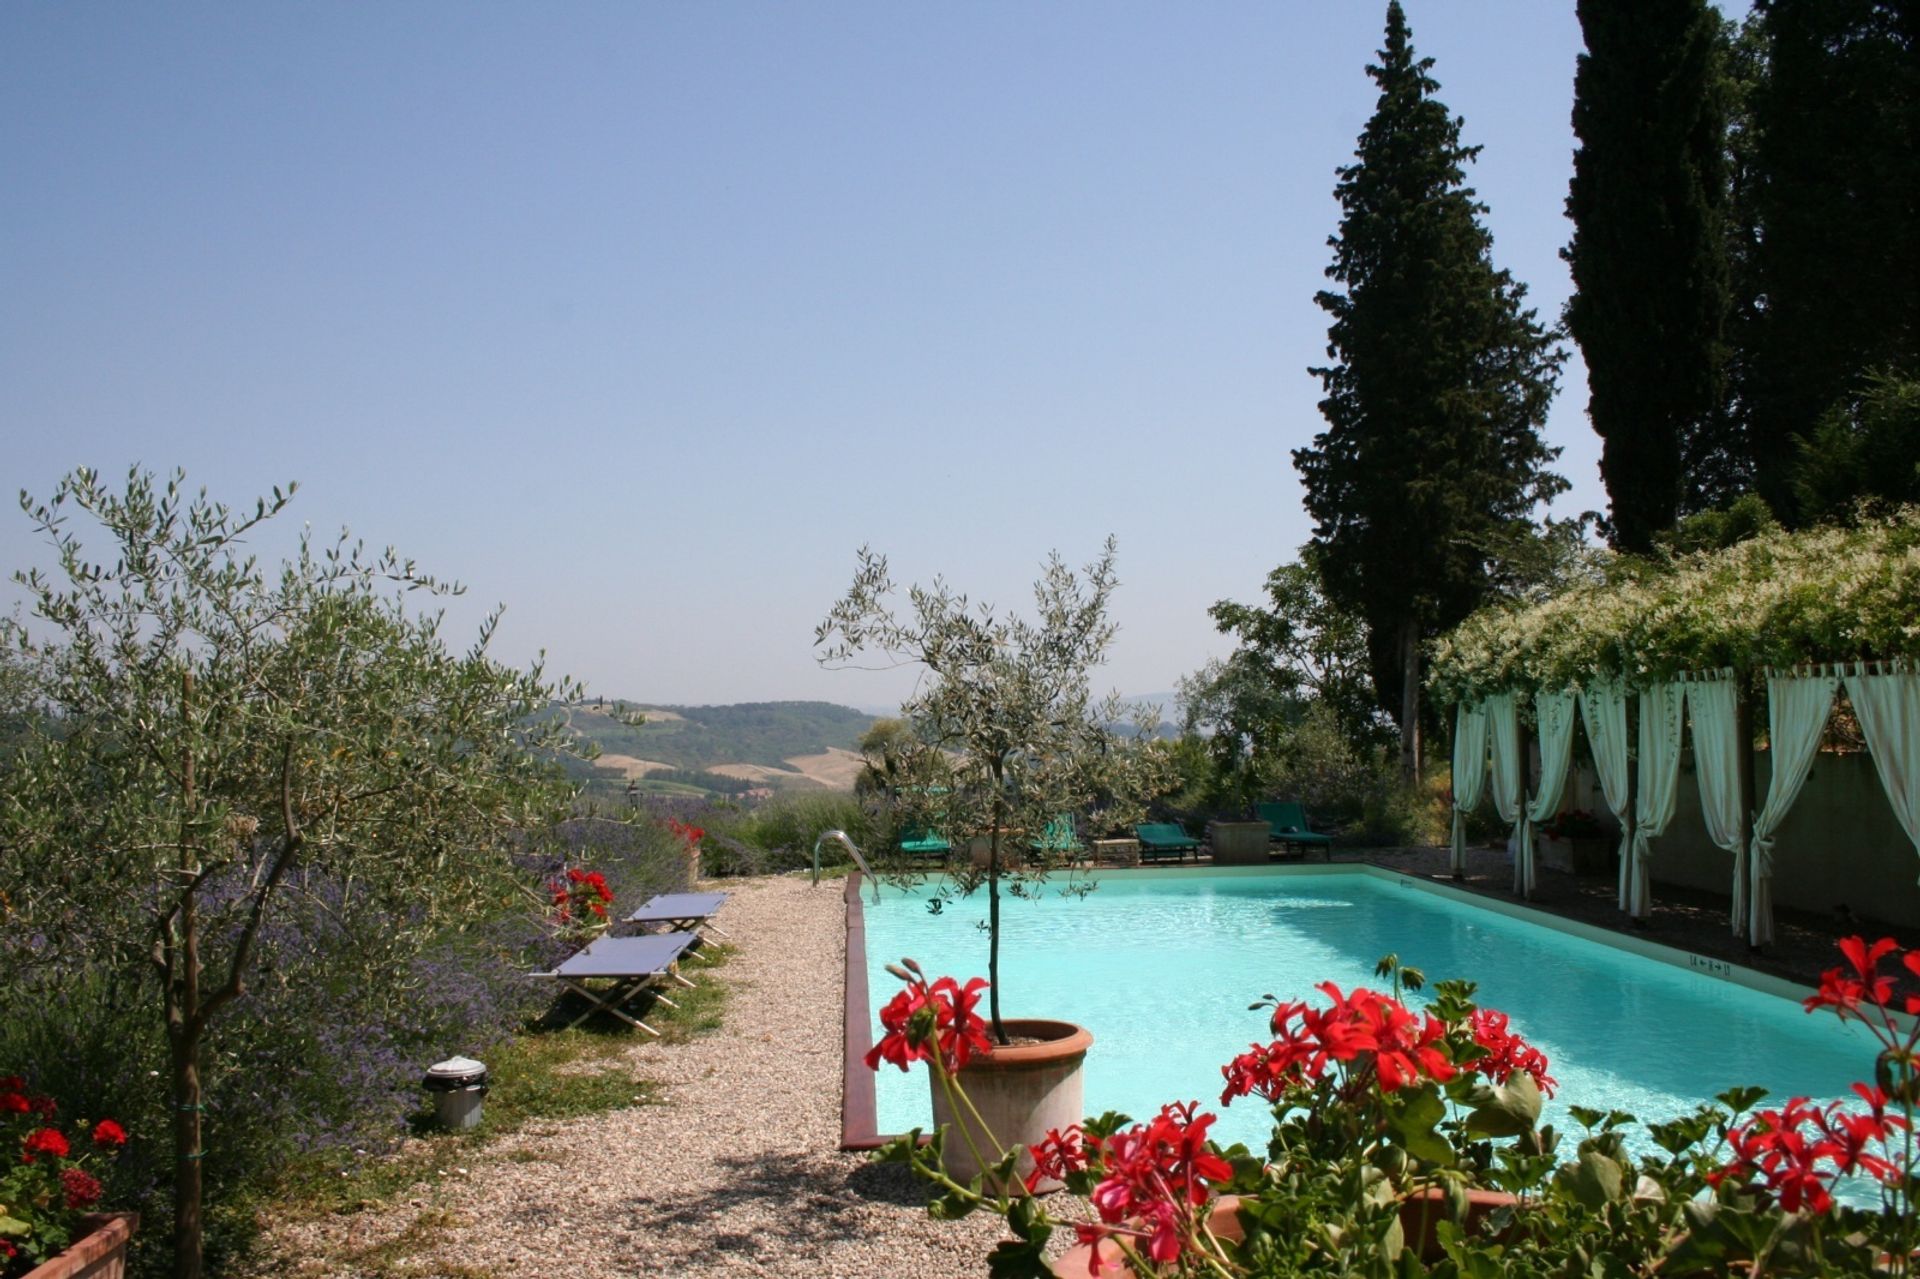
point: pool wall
(859, 1122)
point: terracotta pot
(1422, 1211)
(101, 1253)
(1419, 1213)
(1021, 1091)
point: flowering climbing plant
(1408, 1142)
(47, 1177)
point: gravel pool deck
(737, 1171)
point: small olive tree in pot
(1007, 739)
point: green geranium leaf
(1595, 1181)
(900, 1150)
(1017, 1260)
(1506, 1110)
(13, 1226)
(953, 1205)
(1412, 1121)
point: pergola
(1689, 643)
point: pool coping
(859, 1106)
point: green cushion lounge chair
(924, 843)
(1057, 842)
(1159, 839)
(1287, 826)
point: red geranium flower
(82, 1188)
(43, 1141)
(927, 1018)
(107, 1133)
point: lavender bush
(319, 1064)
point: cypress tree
(1837, 248)
(1438, 384)
(1648, 254)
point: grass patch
(542, 1074)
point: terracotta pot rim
(1063, 1043)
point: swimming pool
(1161, 966)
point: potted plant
(1005, 740)
(49, 1228)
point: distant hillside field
(717, 749)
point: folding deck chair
(632, 964)
(682, 912)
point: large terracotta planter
(101, 1253)
(1021, 1091)
(1419, 1213)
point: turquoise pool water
(1161, 970)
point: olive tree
(1007, 737)
(219, 736)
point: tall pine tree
(1439, 382)
(1649, 253)
(1836, 152)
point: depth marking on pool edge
(1707, 964)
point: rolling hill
(727, 750)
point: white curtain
(1888, 706)
(1661, 724)
(1797, 710)
(1503, 723)
(1469, 773)
(1604, 708)
(1555, 714)
(1716, 762)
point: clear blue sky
(640, 318)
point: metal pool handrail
(840, 837)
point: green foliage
(1864, 456)
(1649, 252)
(1720, 527)
(1297, 650)
(230, 738)
(1439, 385)
(1834, 242)
(1006, 734)
(782, 831)
(1777, 598)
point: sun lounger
(1287, 826)
(632, 964)
(682, 912)
(1158, 839)
(924, 843)
(1057, 843)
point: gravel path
(736, 1173)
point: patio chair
(1287, 826)
(1056, 842)
(1158, 839)
(920, 842)
(633, 964)
(682, 912)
